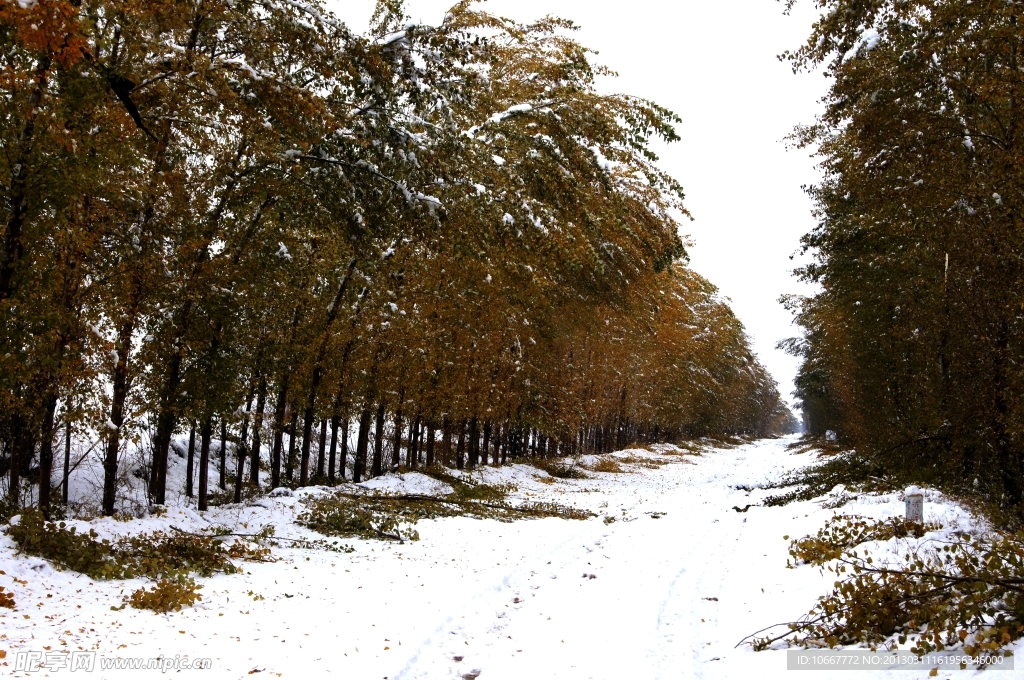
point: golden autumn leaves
(244, 217)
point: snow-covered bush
(156, 555)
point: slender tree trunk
(430, 444)
(279, 416)
(343, 460)
(14, 482)
(362, 443)
(1005, 452)
(397, 457)
(289, 466)
(474, 443)
(206, 434)
(51, 385)
(257, 432)
(323, 449)
(335, 423)
(496, 443)
(120, 393)
(223, 481)
(410, 447)
(167, 418)
(460, 451)
(46, 456)
(190, 469)
(413, 455)
(378, 441)
(243, 438)
(67, 460)
(504, 443)
(167, 415)
(165, 422)
(421, 438)
(307, 435)
(318, 371)
(446, 442)
(484, 450)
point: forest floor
(663, 582)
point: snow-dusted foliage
(238, 219)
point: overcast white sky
(714, 63)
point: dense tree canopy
(913, 349)
(239, 218)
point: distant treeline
(239, 218)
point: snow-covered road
(666, 590)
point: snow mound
(408, 483)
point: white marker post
(915, 505)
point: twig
(1011, 584)
(77, 463)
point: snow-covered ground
(666, 590)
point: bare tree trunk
(362, 443)
(397, 457)
(460, 451)
(307, 435)
(343, 459)
(67, 460)
(190, 462)
(318, 371)
(413, 454)
(486, 444)
(430, 444)
(378, 441)
(474, 443)
(243, 439)
(14, 482)
(206, 434)
(504, 443)
(223, 482)
(46, 456)
(335, 422)
(289, 466)
(120, 393)
(323, 449)
(446, 441)
(279, 416)
(167, 418)
(257, 431)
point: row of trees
(913, 348)
(240, 212)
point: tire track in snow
(680, 613)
